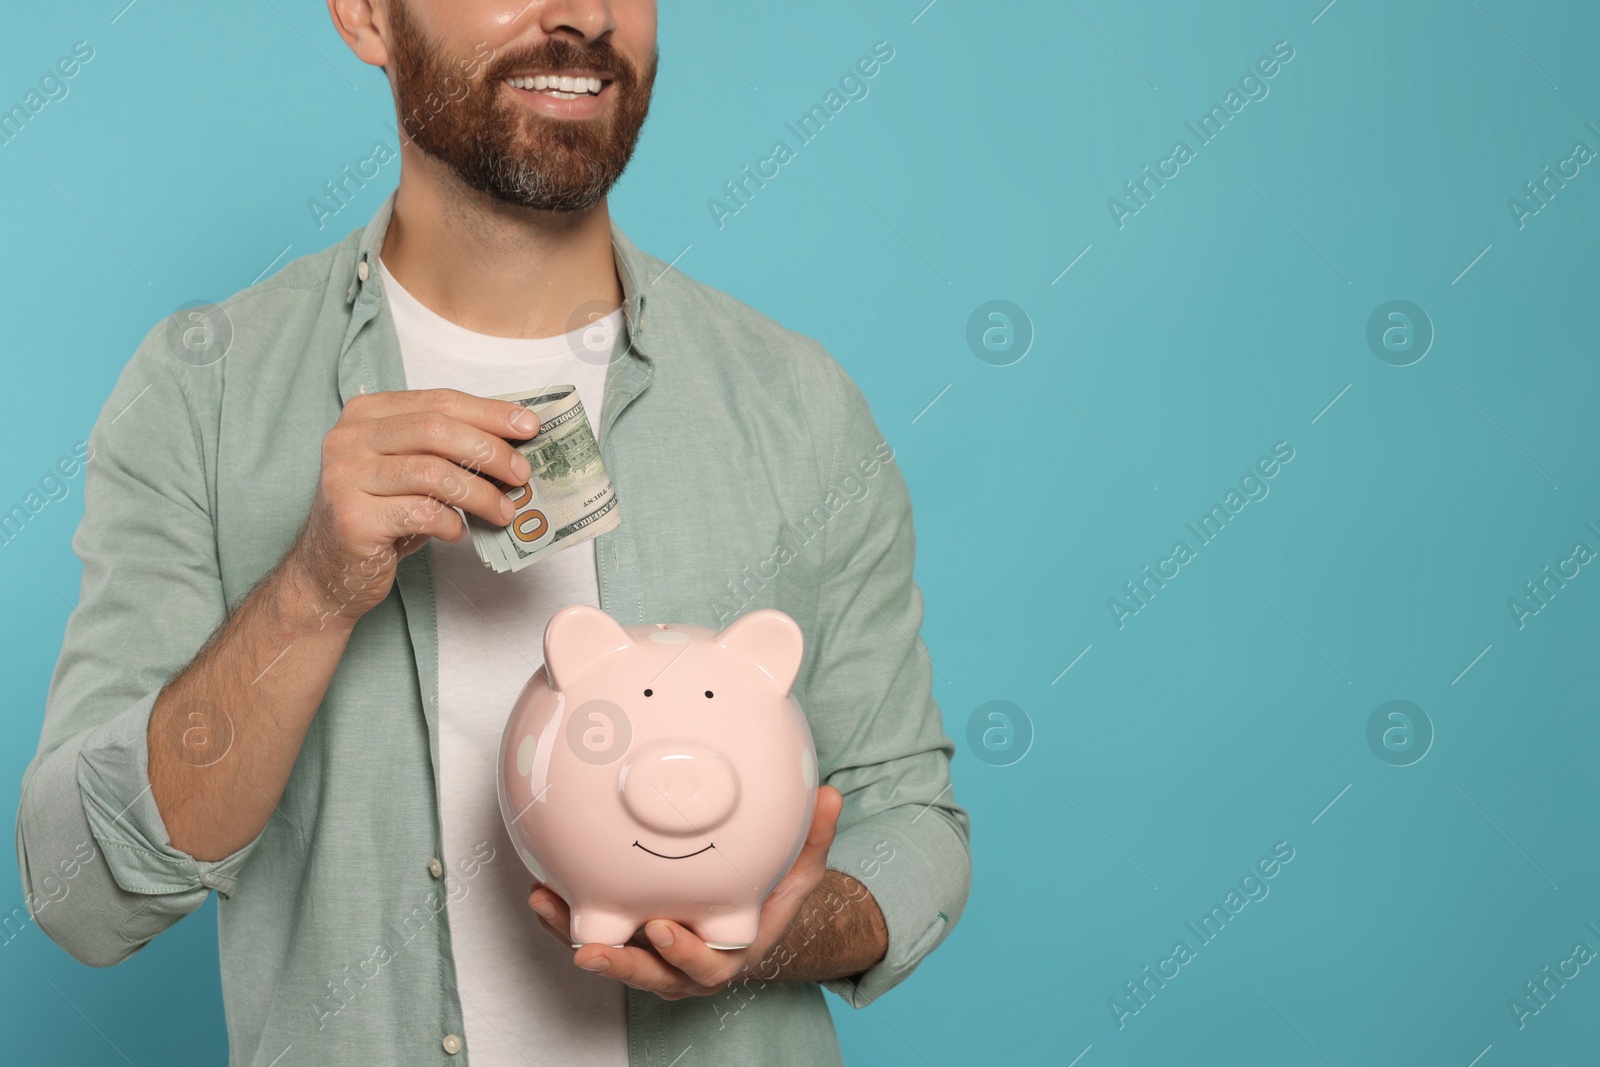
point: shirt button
(363, 271)
(452, 1044)
(435, 868)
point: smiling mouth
(664, 856)
(561, 87)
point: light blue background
(1224, 317)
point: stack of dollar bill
(568, 498)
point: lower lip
(580, 107)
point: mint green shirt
(750, 473)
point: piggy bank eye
(708, 694)
(647, 692)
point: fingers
(438, 478)
(366, 527)
(824, 820)
(469, 431)
(559, 934)
(706, 967)
(386, 446)
(407, 545)
(806, 873)
(654, 970)
(554, 915)
(639, 968)
(432, 433)
(824, 824)
(499, 417)
(395, 466)
(410, 516)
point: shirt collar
(628, 259)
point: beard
(503, 149)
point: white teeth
(563, 88)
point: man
(288, 672)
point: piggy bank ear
(577, 636)
(772, 640)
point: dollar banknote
(568, 499)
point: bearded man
(288, 673)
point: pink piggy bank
(660, 772)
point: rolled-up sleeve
(99, 872)
(878, 726)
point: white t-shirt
(523, 1000)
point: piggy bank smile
(678, 740)
(664, 856)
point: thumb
(824, 824)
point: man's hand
(391, 467)
(394, 467)
(680, 964)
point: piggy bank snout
(679, 788)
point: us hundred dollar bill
(568, 499)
